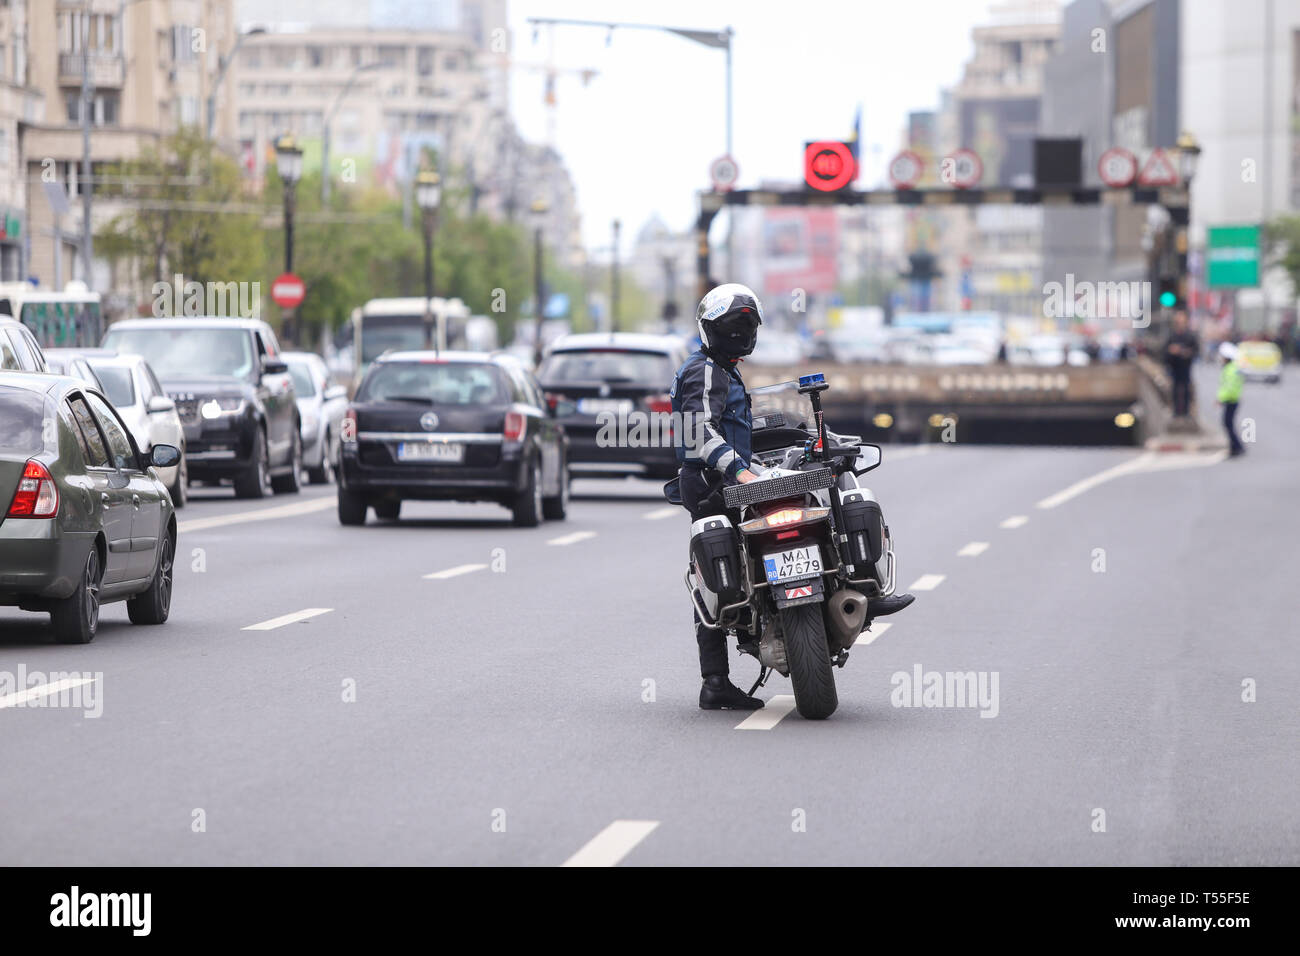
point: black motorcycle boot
(881, 606)
(719, 693)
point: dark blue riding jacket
(713, 406)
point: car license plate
(430, 451)
(604, 406)
(792, 564)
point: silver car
(133, 390)
(321, 404)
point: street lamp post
(1189, 154)
(613, 281)
(538, 210)
(223, 65)
(428, 193)
(325, 129)
(288, 162)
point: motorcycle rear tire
(808, 656)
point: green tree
(187, 214)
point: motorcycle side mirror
(869, 457)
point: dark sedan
(86, 519)
(459, 426)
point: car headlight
(216, 407)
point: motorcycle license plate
(792, 564)
(430, 451)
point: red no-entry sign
(287, 291)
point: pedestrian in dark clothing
(1181, 350)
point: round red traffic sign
(1117, 167)
(828, 165)
(905, 169)
(287, 291)
(963, 169)
(724, 172)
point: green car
(85, 520)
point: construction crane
(552, 73)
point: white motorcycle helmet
(728, 319)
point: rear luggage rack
(769, 489)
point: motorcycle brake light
(782, 535)
(784, 516)
(37, 495)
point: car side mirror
(274, 366)
(335, 391)
(164, 456)
(869, 457)
(159, 404)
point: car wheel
(255, 482)
(388, 509)
(76, 618)
(179, 489)
(528, 503)
(152, 605)
(554, 509)
(288, 484)
(324, 475)
(352, 507)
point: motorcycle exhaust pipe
(846, 613)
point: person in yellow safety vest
(1230, 383)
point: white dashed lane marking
(573, 538)
(973, 550)
(1015, 521)
(927, 582)
(1145, 462)
(611, 844)
(284, 619)
(18, 698)
(880, 627)
(455, 572)
(770, 715)
(261, 514)
(660, 513)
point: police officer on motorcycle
(709, 397)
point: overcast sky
(639, 139)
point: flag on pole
(854, 143)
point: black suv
(233, 393)
(611, 394)
(455, 426)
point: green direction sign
(1232, 257)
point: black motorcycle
(804, 550)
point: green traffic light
(1168, 299)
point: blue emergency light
(816, 378)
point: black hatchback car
(86, 519)
(451, 426)
(233, 393)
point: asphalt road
(512, 713)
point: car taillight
(37, 495)
(348, 427)
(659, 403)
(515, 423)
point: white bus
(67, 319)
(395, 325)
